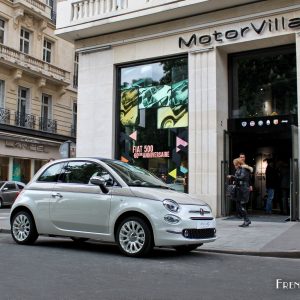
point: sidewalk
(266, 236)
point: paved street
(60, 269)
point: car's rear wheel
(23, 228)
(134, 237)
(187, 248)
(1, 203)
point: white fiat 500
(111, 201)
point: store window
(21, 170)
(264, 83)
(4, 164)
(153, 118)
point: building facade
(183, 87)
(38, 100)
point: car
(9, 190)
(110, 201)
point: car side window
(52, 173)
(21, 187)
(10, 186)
(81, 172)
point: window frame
(25, 41)
(48, 105)
(2, 29)
(82, 183)
(47, 52)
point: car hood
(162, 194)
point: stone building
(38, 88)
(181, 87)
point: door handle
(57, 195)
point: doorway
(258, 148)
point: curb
(278, 254)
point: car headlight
(171, 205)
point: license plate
(204, 224)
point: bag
(231, 191)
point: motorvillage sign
(268, 25)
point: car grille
(199, 233)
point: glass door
(294, 184)
(225, 164)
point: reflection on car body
(123, 204)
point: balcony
(38, 8)
(48, 125)
(24, 120)
(4, 116)
(86, 18)
(19, 121)
(33, 65)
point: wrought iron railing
(4, 116)
(48, 125)
(34, 122)
(24, 120)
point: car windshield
(1, 183)
(136, 176)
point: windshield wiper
(159, 186)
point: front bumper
(186, 234)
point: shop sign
(269, 25)
(147, 151)
(26, 144)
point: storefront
(21, 157)
(186, 99)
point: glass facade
(264, 83)
(21, 170)
(153, 118)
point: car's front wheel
(187, 248)
(134, 237)
(23, 228)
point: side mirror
(97, 180)
(5, 189)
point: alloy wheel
(23, 228)
(132, 237)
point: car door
(76, 204)
(9, 193)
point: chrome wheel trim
(21, 227)
(132, 237)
